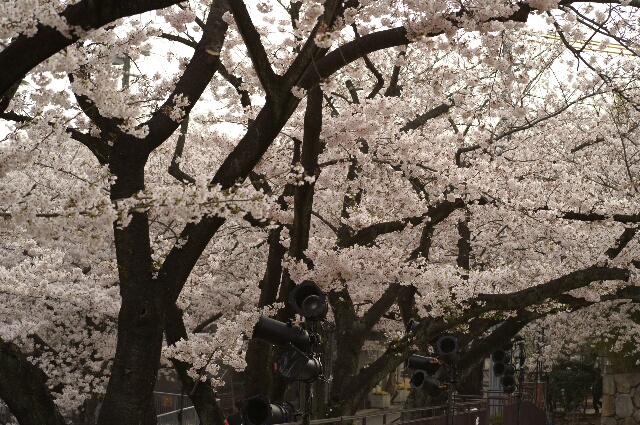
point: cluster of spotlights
(426, 367)
(503, 367)
(295, 361)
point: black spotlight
(508, 380)
(259, 410)
(292, 364)
(308, 300)
(428, 364)
(278, 333)
(447, 349)
(501, 359)
(420, 380)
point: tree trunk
(129, 398)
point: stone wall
(621, 399)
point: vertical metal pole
(306, 418)
(126, 71)
(521, 379)
(312, 326)
(450, 399)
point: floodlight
(308, 300)
(259, 410)
(279, 333)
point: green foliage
(569, 382)
(495, 419)
(624, 356)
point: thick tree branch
(553, 288)
(310, 52)
(203, 325)
(371, 67)
(195, 79)
(381, 306)
(24, 390)
(368, 234)
(174, 167)
(254, 45)
(624, 239)
(236, 82)
(106, 125)
(422, 119)
(25, 52)
(12, 116)
(587, 144)
(394, 88)
(6, 97)
(369, 43)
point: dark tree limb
(368, 234)
(251, 37)
(624, 239)
(106, 125)
(394, 89)
(236, 82)
(6, 97)
(101, 150)
(12, 116)
(352, 91)
(25, 52)
(310, 52)
(174, 167)
(587, 144)
(195, 78)
(381, 306)
(202, 326)
(24, 390)
(393, 37)
(553, 288)
(422, 119)
(201, 393)
(177, 38)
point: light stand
(451, 388)
(308, 395)
(297, 359)
(447, 349)
(521, 359)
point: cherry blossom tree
(440, 159)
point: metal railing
(466, 412)
(175, 409)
